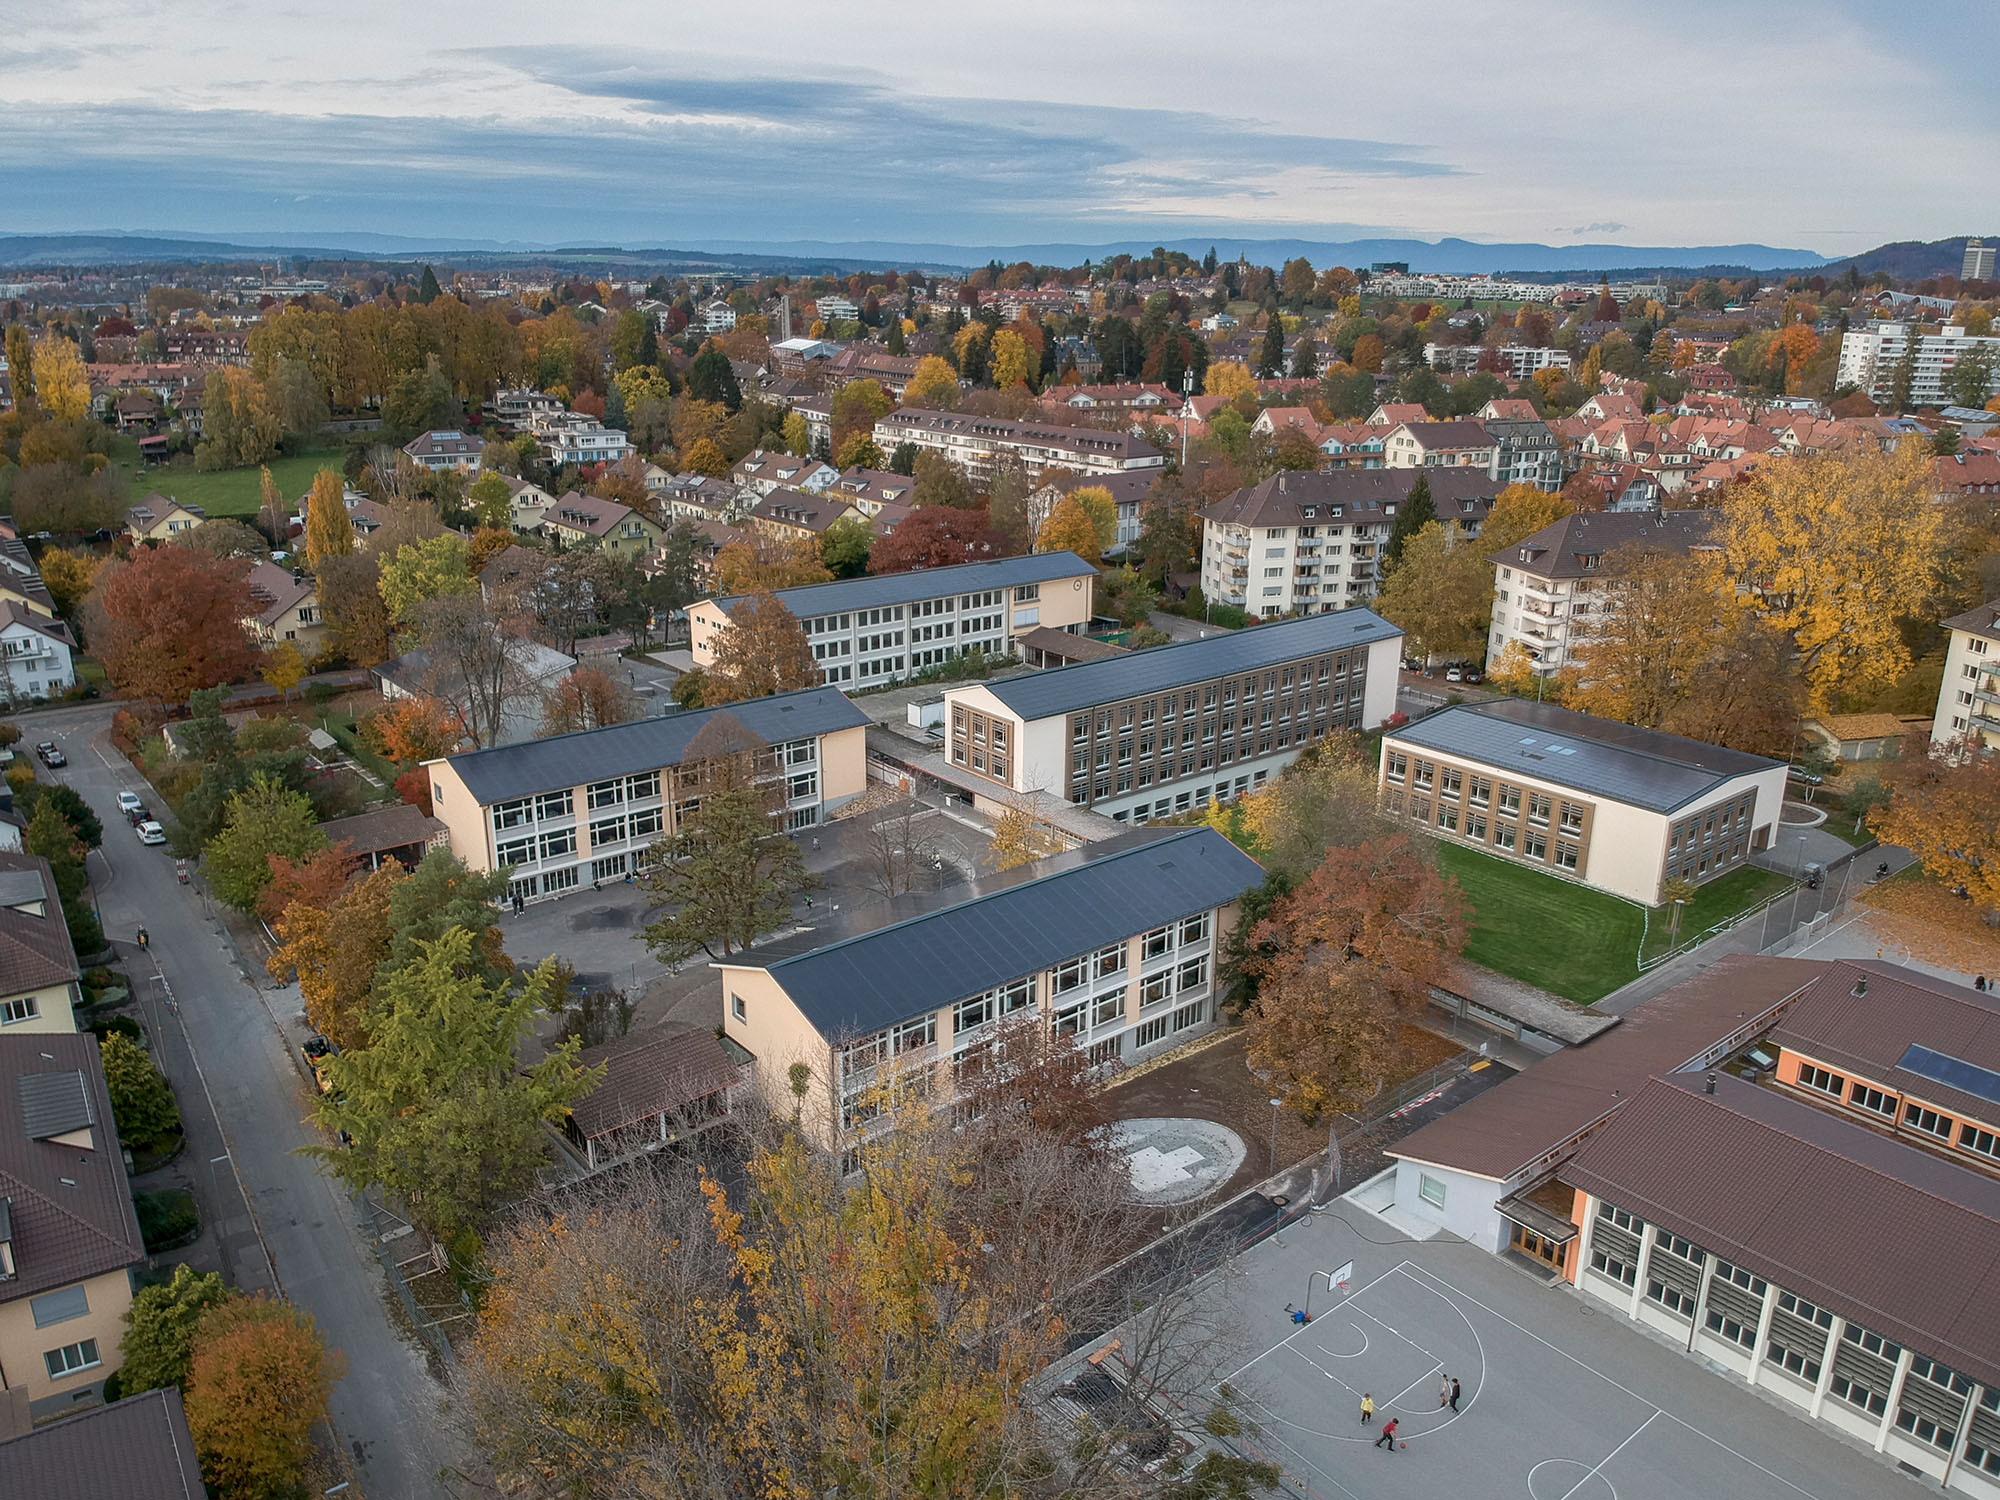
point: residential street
(385, 1407)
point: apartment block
(1306, 543)
(1156, 732)
(869, 632)
(579, 808)
(975, 442)
(1113, 945)
(1609, 805)
(1968, 706)
(1872, 358)
(1442, 445)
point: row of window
(1170, 706)
(1883, 1105)
(549, 806)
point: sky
(663, 123)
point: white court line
(1609, 1456)
(1614, 1384)
(1420, 1380)
(1299, 1330)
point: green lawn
(1718, 901)
(1563, 938)
(226, 492)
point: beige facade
(83, 1346)
(1968, 706)
(50, 1008)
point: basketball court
(1560, 1400)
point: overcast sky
(657, 122)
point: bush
(166, 1219)
(123, 1026)
(142, 1102)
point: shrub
(166, 1219)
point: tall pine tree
(1271, 362)
(1415, 513)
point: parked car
(128, 803)
(151, 833)
(1804, 777)
(1454, 674)
(50, 754)
(1473, 674)
(138, 815)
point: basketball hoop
(1336, 1281)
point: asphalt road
(386, 1406)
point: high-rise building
(1978, 261)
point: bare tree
(472, 665)
(903, 851)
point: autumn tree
(1021, 838)
(763, 563)
(1327, 800)
(588, 698)
(936, 537)
(729, 874)
(222, 537)
(168, 622)
(284, 668)
(856, 407)
(1944, 807)
(472, 664)
(259, 1378)
(68, 573)
(859, 451)
(1349, 958)
(335, 949)
(491, 500)
(1231, 380)
(142, 1102)
(263, 819)
(1070, 528)
(158, 1345)
(329, 531)
(1010, 360)
(764, 651)
(440, 1112)
(62, 384)
(1518, 512)
(441, 894)
(934, 385)
(1837, 551)
(316, 880)
(425, 571)
(412, 730)
(1441, 592)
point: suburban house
(38, 967)
(444, 450)
(588, 806)
(1968, 705)
(1151, 733)
(1612, 806)
(136, 1449)
(868, 490)
(1442, 445)
(1128, 490)
(20, 579)
(872, 631)
(515, 406)
(796, 515)
(1113, 945)
(715, 317)
(527, 503)
(156, 518)
(1545, 597)
(69, 1240)
(288, 609)
(400, 832)
(570, 438)
(36, 653)
(760, 472)
(579, 520)
(1530, 451)
(974, 443)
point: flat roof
(1502, 1132)
(1888, 1236)
(852, 976)
(1643, 767)
(923, 583)
(1061, 690)
(508, 771)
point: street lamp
(1673, 934)
(1276, 1104)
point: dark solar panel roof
(887, 965)
(54, 1104)
(509, 771)
(1967, 1078)
(1062, 690)
(926, 583)
(1642, 767)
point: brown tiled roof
(1869, 1034)
(384, 828)
(590, 514)
(276, 590)
(1279, 500)
(644, 1077)
(70, 1209)
(1449, 434)
(135, 1449)
(800, 508)
(1507, 1129)
(1070, 647)
(1862, 726)
(35, 952)
(1893, 1238)
(14, 612)
(1556, 551)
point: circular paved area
(1177, 1160)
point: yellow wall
(453, 804)
(54, 1012)
(706, 621)
(1063, 602)
(22, 1344)
(775, 1032)
(843, 764)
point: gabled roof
(70, 1208)
(801, 509)
(1984, 620)
(1062, 690)
(277, 590)
(136, 1449)
(1363, 495)
(872, 592)
(650, 1075)
(1558, 550)
(1436, 435)
(887, 963)
(35, 952)
(589, 514)
(394, 827)
(445, 444)
(14, 612)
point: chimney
(1861, 986)
(1711, 1080)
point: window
(1451, 781)
(1812, 1077)
(1503, 837)
(1155, 989)
(1737, 1276)
(738, 1009)
(560, 880)
(512, 814)
(1855, 1393)
(1736, 1332)
(1873, 1100)
(1929, 1121)
(1538, 808)
(1566, 856)
(1430, 1190)
(1671, 1298)
(1510, 801)
(1572, 818)
(1194, 929)
(1621, 1218)
(1481, 793)
(553, 805)
(607, 831)
(1537, 847)
(604, 793)
(638, 788)
(644, 824)
(71, 1358)
(516, 852)
(1985, 1142)
(561, 842)
(1158, 941)
(1686, 1250)
(1190, 1015)
(1924, 1430)
(1798, 1307)
(1193, 975)
(23, 1009)
(60, 1307)
(1475, 828)
(1151, 1032)
(1071, 975)
(1617, 1269)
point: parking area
(1558, 1402)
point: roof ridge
(656, 719)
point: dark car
(1473, 674)
(50, 755)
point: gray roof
(1062, 690)
(509, 771)
(1558, 549)
(925, 583)
(396, 826)
(54, 1104)
(135, 1449)
(1642, 767)
(887, 963)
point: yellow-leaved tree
(1010, 360)
(329, 532)
(1229, 379)
(1070, 528)
(62, 385)
(934, 385)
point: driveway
(224, 1050)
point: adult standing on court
(1454, 1393)
(1444, 1391)
(1367, 1408)
(1388, 1437)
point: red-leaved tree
(937, 536)
(169, 623)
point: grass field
(224, 492)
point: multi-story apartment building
(1113, 945)
(1153, 733)
(869, 632)
(1442, 445)
(1605, 804)
(1978, 262)
(833, 309)
(1545, 593)
(1515, 361)
(578, 808)
(441, 450)
(715, 317)
(1871, 360)
(1306, 543)
(1968, 706)
(36, 653)
(1530, 452)
(974, 443)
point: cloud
(1603, 226)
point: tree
(933, 386)
(934, 537)
(1021, 838)
(50, 835)
(901, 847)
(1069, 528)
(763, 563)
(1518, 512)
(77, 813)
(160, 1329)
(1010, 360)
(1103, 512)
(1441, 593)
(711, 379)
(1271, 358)
(1231, 380)
(334, 948)
(797, 436)
(705, 457)
(1415, 513)
(729, 874)
(20, 365)
(441, 894)
(588, 698)
(1944, 800)
(1328, 800)
(491, 500)
(1353, 955)
(266, 818)
(169, 621)
(68, 574)
(859, 451)
(258, 1380)
(222, 537)
(1836, 551)
(61, 496)
(411, 730)
(844, 546)
(238, 423)
(764, 651)
(939, 481)
(1972, 377)
(1305, 358)
(142, 1102)
(62, 384)
(1126, 595)
(439, 1109)
(284, 668)
(473, 666)
(422, 573)
(316, 881)
(1367, 355)
(428, 290)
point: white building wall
(1467, 1210)
(1968, 705)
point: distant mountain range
(1452, 256)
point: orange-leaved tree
(169, 622)
(413, 729)
(1070, 528)
(1944, 807)
(335, 949)
(259, 1379)
(764, 651)
(316, 880)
